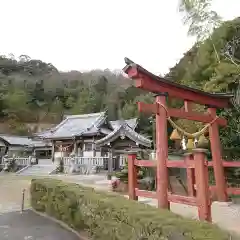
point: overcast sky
(90, 34)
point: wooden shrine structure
(195, 162)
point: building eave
(124, 130)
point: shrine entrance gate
(195, 162)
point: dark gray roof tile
(122, 131)
(132, 123)
(75, 125)
(21, 141)
(16, 140)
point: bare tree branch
(200, 19)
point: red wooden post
(190, 176)
(132, 177)
(190, 171)
(162, 152)
(203, 193)
(221, 186)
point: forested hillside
(32, 91)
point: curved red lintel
(152, 83)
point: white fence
(85, 165)
(80, 161)
(91, 161)
(22, 161)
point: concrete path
(31, 226)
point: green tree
(70, 102)
(84, 103)
(199, 68)
(56, 110)
(16, 105)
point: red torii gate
(196, 161)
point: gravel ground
(11, 188)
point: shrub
(123, 174)
(110, 216)
(60, 167)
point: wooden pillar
(221, 186)
(202, 185)
(110, 161)
(132, 177)
(75, 147)
(190, 176)
(53, 151)
(162, 152)
(81, 147)
(190, 171)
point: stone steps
(38, 170)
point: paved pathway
(31, 226)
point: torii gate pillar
(162, 153)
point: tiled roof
(21, 141)
(123, 130)
(91, 124)
(105, 131)
(132, 123)
(16, 140)
(75, 125)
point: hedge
(110, 216)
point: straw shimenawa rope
(185, 133)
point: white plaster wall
(98, 154)
(91, 154)
(60, 154)
(88, 153)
